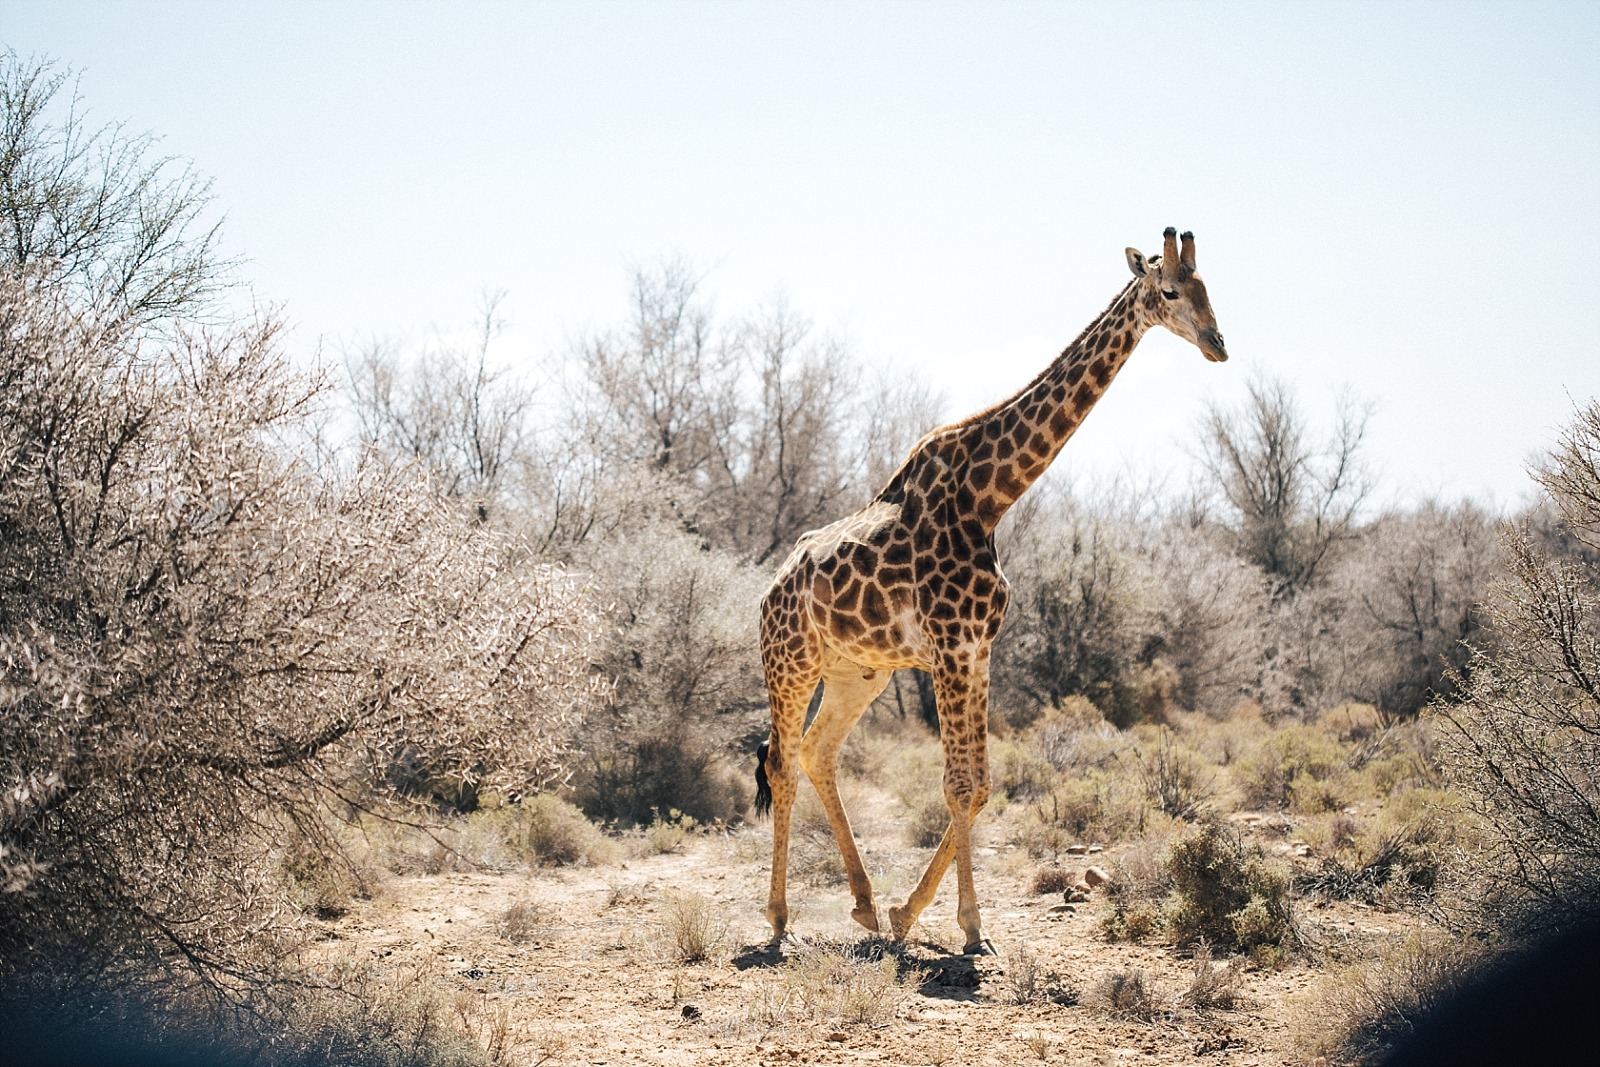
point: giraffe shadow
(934, 970)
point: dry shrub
(523, 922)
(1396, 857)
(926, 822)
(555, 833)
(1361, 1012)
(1174, 780)
(349, 1014)
(1027, 981)
(1521, 744)
(1097, 807)
(1020, 773)
(668, 834)
(1135, 897)
(1354, 723)
(687, 687)
(1051, 879)
(692, 927)
(1074, 736)
(218, 642)
(1405, 756)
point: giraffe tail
(763, 787)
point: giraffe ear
(1137, 264)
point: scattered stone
(1063, 909)
(1077, 896)
(837, 1035)
(1096, 848)
(690, 1012)
(1077, 850)
(1096, 876)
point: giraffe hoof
(981, 947)
(867, 917)
(900, 922)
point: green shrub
(1096, 807)
(1227, 894)
(1297, 766)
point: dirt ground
(591, 976)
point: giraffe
(911, 580)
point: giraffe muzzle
(1212, 347)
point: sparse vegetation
(276, 640)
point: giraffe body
(912, 580)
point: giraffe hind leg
(847, 690)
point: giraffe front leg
(903, 917)
(962, 690)
(967, 895)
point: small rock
(1081, 886)
(691, 1012)
(1077, 850)
(1096, 876)
(1077, 896)
(837, 1035)
(1063, 909)
(1096, 848)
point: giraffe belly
(896, 644)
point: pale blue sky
(1399, 198)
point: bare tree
(447, 408)
(1524, 743)
(1290, 502)
(94, 210)
(1418, 578)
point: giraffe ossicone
(911, 580)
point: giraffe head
(1177, 296)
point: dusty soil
(591, 977)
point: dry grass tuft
(861, 984)
(1214, 986)
(1129, 993)
(1051, 879)
(692, 928)
(523, 922)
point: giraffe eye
(1170, 294)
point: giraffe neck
(1011, 444)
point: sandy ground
(593, 978)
